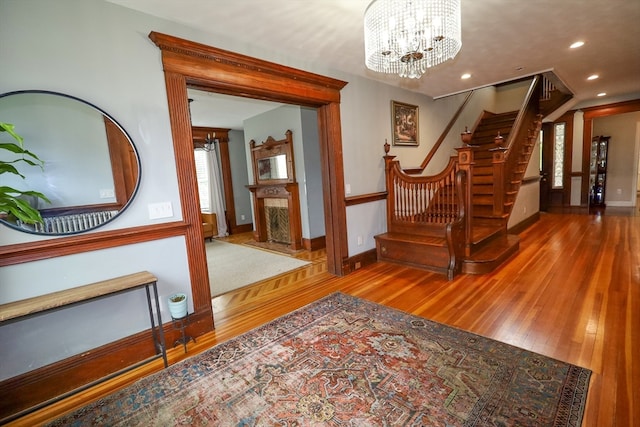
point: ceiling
(502, 40)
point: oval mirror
(91, 167)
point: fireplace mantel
(274, 173)
(288, 191)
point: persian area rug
(234, 266)
(344, 361)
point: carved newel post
(466, 136)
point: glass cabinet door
(598, 171)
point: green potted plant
(12, 201)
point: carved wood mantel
(277, 191)
(274, 174)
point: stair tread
(484, 232)
(413, 238)
(495, 249)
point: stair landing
(490, 256)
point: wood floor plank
(572, 293)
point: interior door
(546, 163)
(555, 170)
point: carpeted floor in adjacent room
(233, 266)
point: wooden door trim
(195, 65)
(587, 134)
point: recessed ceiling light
(602, 94)
(465, 76)
(593, 77)
(577, 44)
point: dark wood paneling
(79, 243)
(365, 198)
(314, 244)
(48, 383)
(360, 260)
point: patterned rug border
(571, 404)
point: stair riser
(413, 254)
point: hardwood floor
(572, 293)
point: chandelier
(406, 37)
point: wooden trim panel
(314, 244)
(587, 134)
(79, 243)
(47, 383)
(365, 198)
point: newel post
(465, 163)
(391, 195)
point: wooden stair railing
(425, 218)
(457, 220)
(554, 94)
(511, 160)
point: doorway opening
(188, 64)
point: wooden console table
(14, 311)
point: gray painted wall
(303, 123)
(101, 52)
(240, 176)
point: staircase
(457, 220)
(490, 244)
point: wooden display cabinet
(598, 171)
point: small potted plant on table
(178, 305)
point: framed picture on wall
(404, 123)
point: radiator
(73, 223)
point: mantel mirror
(91, 167)
(273, 161)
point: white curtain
(216, 199)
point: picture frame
(404, 123)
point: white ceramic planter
(178, 305)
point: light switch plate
(160, 210)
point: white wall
(100, 53)
(303, 124)
(240, 176)
(622, 156)
(510, 97)
(312, 185)
(528, 200)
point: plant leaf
(9, 128)
(9, 168)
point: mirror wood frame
(264, 157)
(194, 65)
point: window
(202, 175)
(558, 155)
(540, 142)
